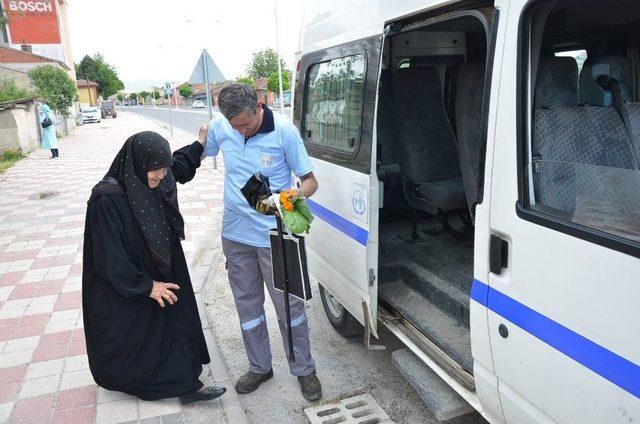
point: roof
(9, 55)
(261, 83)
(86, 83)
(12, 104)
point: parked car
(286, 95)
(91, 114)
(109, 109)
(198, 104)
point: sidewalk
(44, 375)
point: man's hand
(162, 291)
(202, 134)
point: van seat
(426, 145)
(468, 109)
(620, 69)
(567, 136)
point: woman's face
(154, 177)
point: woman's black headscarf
(156, 210)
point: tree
(185, 90)
(134, 97)
(55, 87)
(263, 64)
(97, 70)
(246, 80)
(273, 83)
(144, 94)
(120, 97)
(9, 91)
(156, 94)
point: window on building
(333, 108)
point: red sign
(32, 21)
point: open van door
(335, 110)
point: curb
(231, 405)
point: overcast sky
(153, 41)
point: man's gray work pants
(249, 268)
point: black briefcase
(296, 260)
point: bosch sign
(30, 6)
(32, 21)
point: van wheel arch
(344, 323)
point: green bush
(55, 87)
(9, 91)
(8, 158)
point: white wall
(18, 129)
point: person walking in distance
(48, 124)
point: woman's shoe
(205, 393)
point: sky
(150, 42)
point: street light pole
(275, 8)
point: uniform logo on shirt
(266, 160)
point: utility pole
(275, 7)
(169, 92)
(207, 88)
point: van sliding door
(335, 109)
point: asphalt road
(345, 366)
(184, 119)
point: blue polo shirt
(276, 151)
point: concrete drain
(361, 409)
(44, 195)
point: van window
(582, 148)
(333, 107)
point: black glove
(255, 191)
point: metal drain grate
(44, 195)
(362, 409)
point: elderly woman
(48, 124)
(143, 332)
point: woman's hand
(162, 291)
(202, 134)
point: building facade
(40, 24)
(88, 93)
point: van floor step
(449, 334)
(447, 296)
(443, 402)
(442, 255)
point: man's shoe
(250, 382)
(205, 393)
(311, 387)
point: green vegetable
(300, 219)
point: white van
(480, 195)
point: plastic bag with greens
(299, 220)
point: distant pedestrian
(140, 339)
(48, 124)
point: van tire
(344, 323)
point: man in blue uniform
(253, 139)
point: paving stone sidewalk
(44, 375)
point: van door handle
(498, 254)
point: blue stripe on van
(607, 364)
(341, 224)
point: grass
(9, 158)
